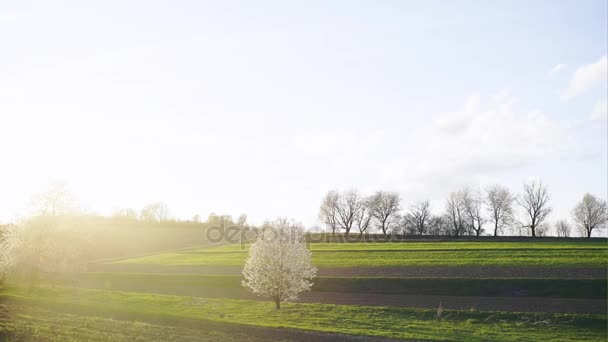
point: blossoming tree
(279, 265)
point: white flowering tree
(279, 265)
(7, 245)
(41, 246)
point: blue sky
(261, 107)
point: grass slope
(20, 323)
(433, 245)
(550, 254)
(359, 320)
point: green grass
(203, 285)
(434, 245)
(550, 254)
(20, 323)
(359, 320)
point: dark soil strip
(548, 305)
(482, 303)
(399, 272)
(468, 272)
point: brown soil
(530, 304)
(400, 272)
(468, 272)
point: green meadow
(550, 254)
(153, 306)
(387, 322)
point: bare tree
(439, 225)
(155, 212)
(456, 211)
(542, 230)
(363, 218)
(562, 227)
(408, 225)
(385, 207)
(125, 214)
(590, 213)
(500, 205)
(57, 200)
(535, 202)
(473, 204)
(328, 212)
(347, 207)
(418, 216)
(241, 222)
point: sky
(261, 107)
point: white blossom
(279, 265)
(8, 244)
(41, 246)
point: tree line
(467, 212)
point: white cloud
(557, 68)
(459, 121)
(472, 103)
(600, 110)
(467, 148)
(587, 77)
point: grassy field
(344, 319)
(435, 245)
(550, 254)
(125, 306)
(20, 323)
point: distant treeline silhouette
(468, 212)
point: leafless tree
(418, 216)
(500, 205)
(473, 204)
(457, 213)
(241, 222)
(155, 212)
(328, 212)
(590, 213)
(542, 230)
(363, 218)
(439, 225)
(125, 214)
(562, 227)
(347, 208)
(385, 207)
(57, 200)
(407, 225)
(535, 202)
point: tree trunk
(588, 233)
(495, 229)
(277, 303)
(533, 231)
